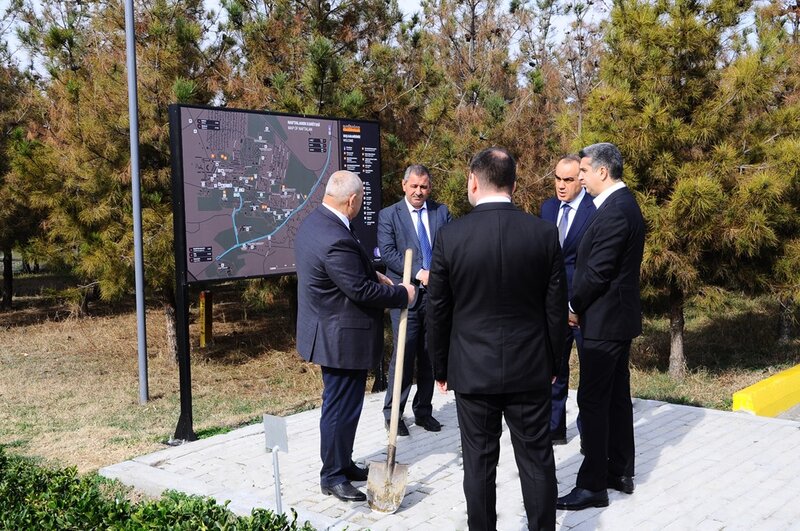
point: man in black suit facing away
(605, 304)
(412, 223)
(340, 302)
(496, 313)
(570, 210)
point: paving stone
(696, 469)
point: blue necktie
(424, 242)
(562, 224)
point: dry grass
(729, 346)
(735, 349)
(69, 387)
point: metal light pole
(133, 114)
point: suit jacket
(496, 302)
(606, 283)
(396, 233)
(339, 299)
(582, 215)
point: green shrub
(37, 497)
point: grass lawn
(69, 386)
(728, 346)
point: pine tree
(18, 222)
(302, 57)
(778, 28)
(466, 49)
(692, 108)
(77, 157)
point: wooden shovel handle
(398, 365)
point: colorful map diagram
(249, 179)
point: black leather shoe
(558, 439)
(402, 429)
(582, 499)
(345, 492)
(428, 423)
(356, 473)
(621, 483)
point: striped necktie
(424, 242)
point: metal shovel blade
(386, 487)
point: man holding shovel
(412, 223)
(497, 302)
(340, 302)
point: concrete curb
(770, 396)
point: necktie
(562, 224)
(424, 242)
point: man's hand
(442, 385)
(412, 292)
(383, 279)
(422, 276)
(573, 320)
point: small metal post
(278, 504)
(277, 438)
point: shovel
(386, 482)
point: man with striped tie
(412, 223)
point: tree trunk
(8, 279)
(785, 332)
(89, 294)
(83, 307)
(473, 35)
(677, 361)
(172, 331)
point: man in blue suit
(569, 210)
(340, 302)
(412, 223)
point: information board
(245, 180)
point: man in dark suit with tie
(605, 304)
(496, 312)
(412, 223)
(569, 210)
(340, 302)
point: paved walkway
(696, 469)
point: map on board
(250, 178)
